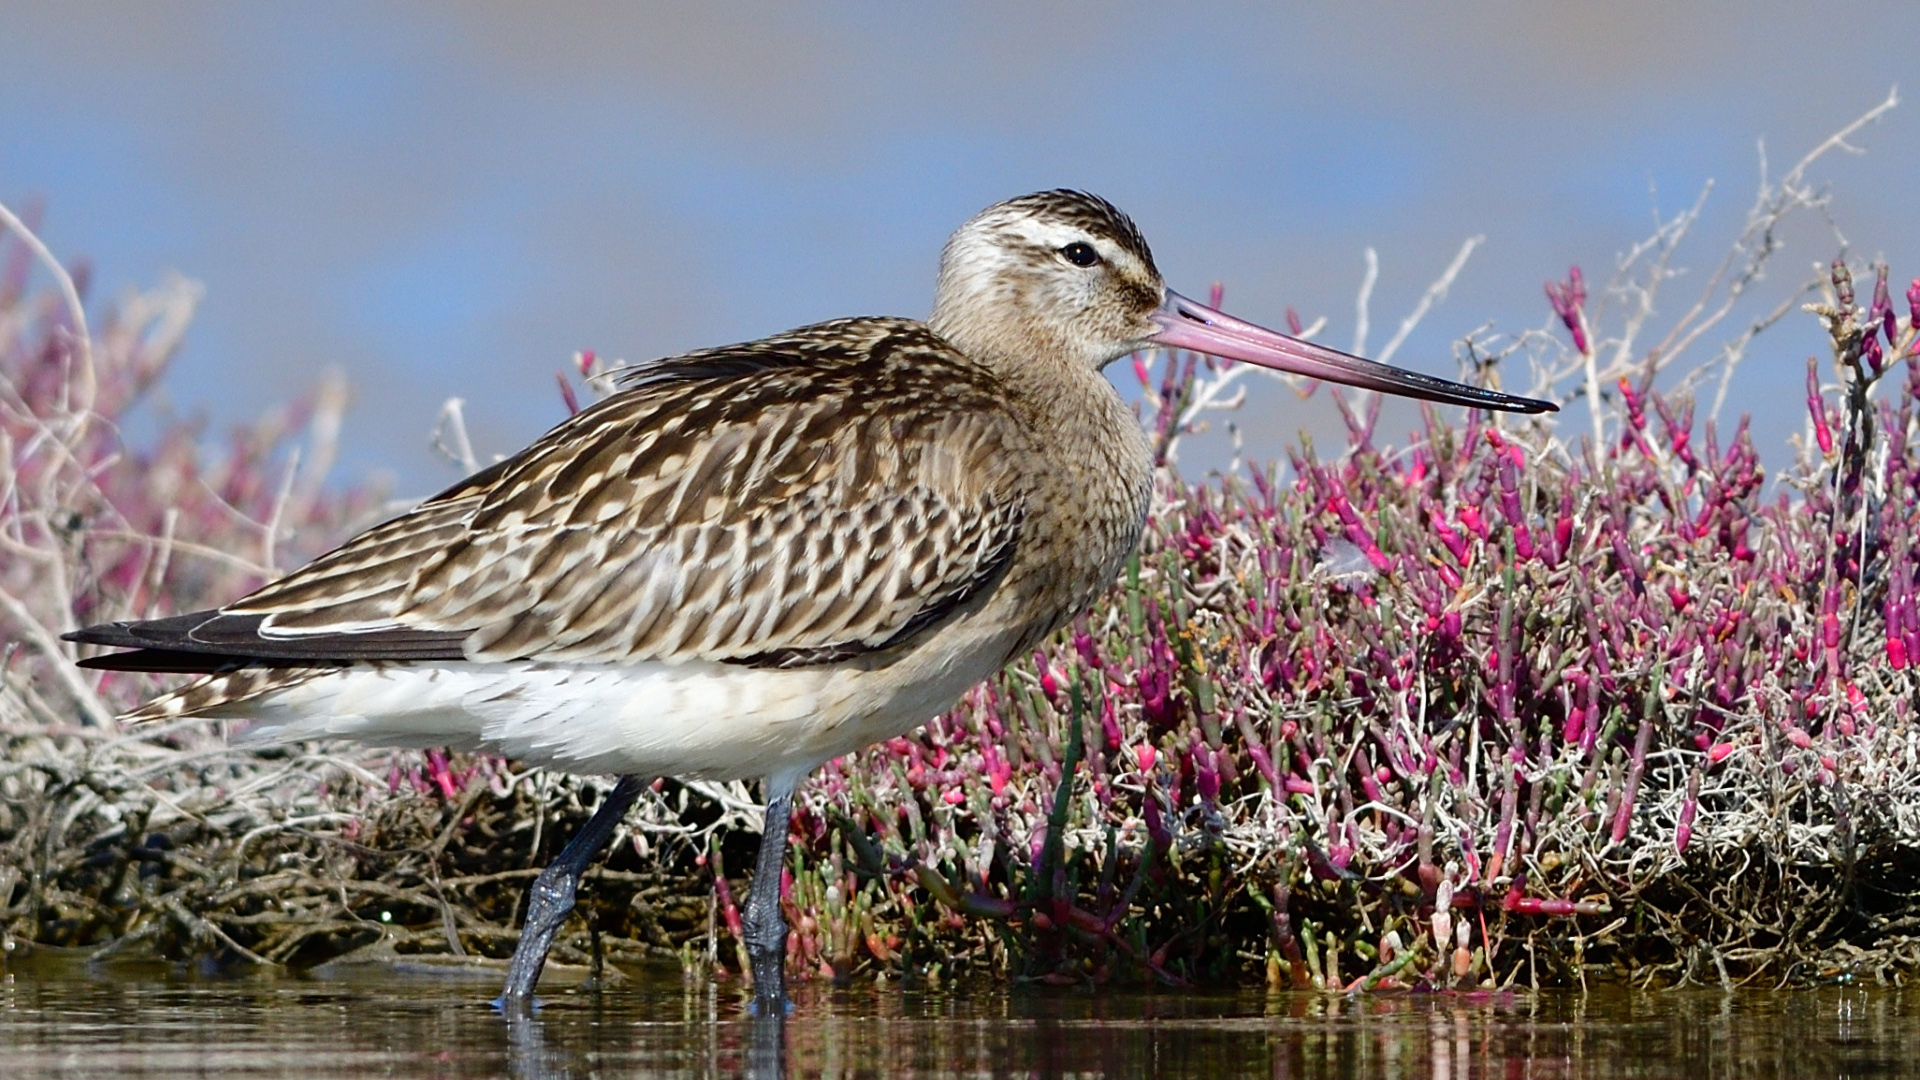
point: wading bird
(750, 559)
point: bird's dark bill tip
(1515, 403)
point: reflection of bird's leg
(767, 1046)
(765, 927)
(527, 1054)
(551, 897)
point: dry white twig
(452, 425)
(1363, 301)
(1436, 292)
(89, 380)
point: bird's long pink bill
(1185, 324)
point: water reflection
(762, 1054)
(121, 1022)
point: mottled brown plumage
(808, 497)
(831, 492)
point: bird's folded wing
(794, 501)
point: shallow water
(70, 1021)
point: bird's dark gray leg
(765, 927)
(552, 894)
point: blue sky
(451, 198)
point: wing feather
(837, 490)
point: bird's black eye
(1080, 253)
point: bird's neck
(996, 329)
(1097, 452)
(1090, 479)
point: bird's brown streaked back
(834, 490)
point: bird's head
(1065, 277)
(1053, 275)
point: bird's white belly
(718, 721)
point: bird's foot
(516, 1006)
